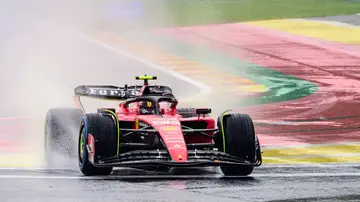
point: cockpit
(155, 105)
(147, 107)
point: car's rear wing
(104, 92)
(107, 92)
(115, 92)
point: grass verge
(193, 12)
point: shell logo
(169, 128)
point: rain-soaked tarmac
(269, 183)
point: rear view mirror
(203, 111)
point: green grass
(192, 12)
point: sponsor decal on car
(169, 128)
(176, 148)
(174, 140)
(149, 104)
(110, 92)
(163, 122)
(165, 119)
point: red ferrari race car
(147, 130)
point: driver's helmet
(147, 107)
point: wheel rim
(82, 146)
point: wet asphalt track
(266, 184)
(348, 19)
(39, 63)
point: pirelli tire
(61, 129)
(103, 128)
(240, 141)
(188, 112)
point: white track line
(32, 169)
(42, 177)
(329, 22)
(205, 90)
(327, 165)
(281, 175)
(310, 146)
(306, 175)
(12, 118)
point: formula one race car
(147, 130)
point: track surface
(349, 19)
(266, 184)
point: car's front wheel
(238, 139)
(100, 129)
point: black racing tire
(240, 141)
(61, 129)
(103, 128)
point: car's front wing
(162, 158)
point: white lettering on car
(102, 91)
(166, 122)
(113, 92)
(177, 148)
(92, 91)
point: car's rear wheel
(239, 140)
(104, 131)
(61, 129)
